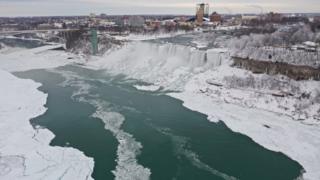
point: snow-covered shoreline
(24, 150)
(273, 131)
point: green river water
(175, 142)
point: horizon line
(160, 14)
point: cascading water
(167, 65)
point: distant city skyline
(113, 7)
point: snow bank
(147, 88)
(4, 49)
(273, 131)
(228, 28)
(36, 58)
(259, 115)
(24, 151)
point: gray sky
(111, 7)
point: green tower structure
(94, 41)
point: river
(133, 134)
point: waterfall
(168, 65)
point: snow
(228, 28)
(142, 37)
(203, 77)
(238, 86)
(147, 88)
(310, 43)
(283, 45)
(24, 150)
(36, 58)
(7, 50)
(200, 44)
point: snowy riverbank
(24, 150)
(274, 131)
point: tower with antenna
(202, 11)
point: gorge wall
(296, 72)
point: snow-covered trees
(277, 46)
(299, 99)
(284, 36)
(301, 35)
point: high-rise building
(201, 12)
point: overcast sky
(111, 7)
